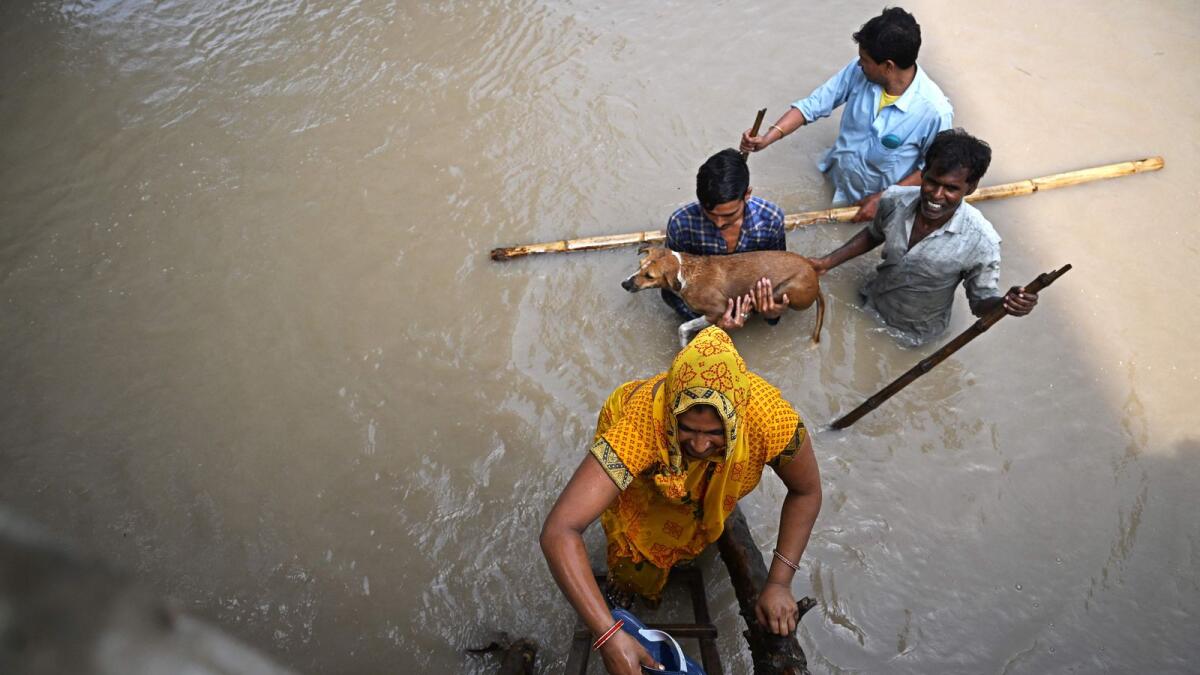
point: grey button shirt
(913, 290)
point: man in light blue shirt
(892, 111)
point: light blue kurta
(873, 152)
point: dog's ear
(644, 248)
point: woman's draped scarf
(671, 507)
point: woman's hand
(623, 655)
(776, 609)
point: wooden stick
(985, 322)
(754, 130)
(772, 654)
(843, 215)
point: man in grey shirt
(931, 242)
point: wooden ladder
(702, 630)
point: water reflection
(256, 352)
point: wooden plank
(772, 654)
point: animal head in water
(659, 269)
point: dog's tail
(816, 335)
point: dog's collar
(679, 272)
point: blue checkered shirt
(688, 231)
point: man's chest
(711, 241)
(939, 253)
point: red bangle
(608, 634)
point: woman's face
(701, 432)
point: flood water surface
(254, 350)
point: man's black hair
(954, 149)
(894, 35)
(724, 177)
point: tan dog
(707, 282)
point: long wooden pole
(843, 215)
(985, 322)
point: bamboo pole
(976, 329)
(844, 214)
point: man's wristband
(779, 129)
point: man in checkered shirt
(726, 219)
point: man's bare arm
(792, 120)
(858, 245)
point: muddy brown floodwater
(253, 349)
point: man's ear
(749, 189)
(971, 188)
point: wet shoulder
(771, 420)
(685, 213)
(765, 210)
(979, 227)
(899, 197)
(760, 204)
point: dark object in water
(518, 657)
(772, 654)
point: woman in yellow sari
(671, 457)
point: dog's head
(658, 269)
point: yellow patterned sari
(671, 507)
